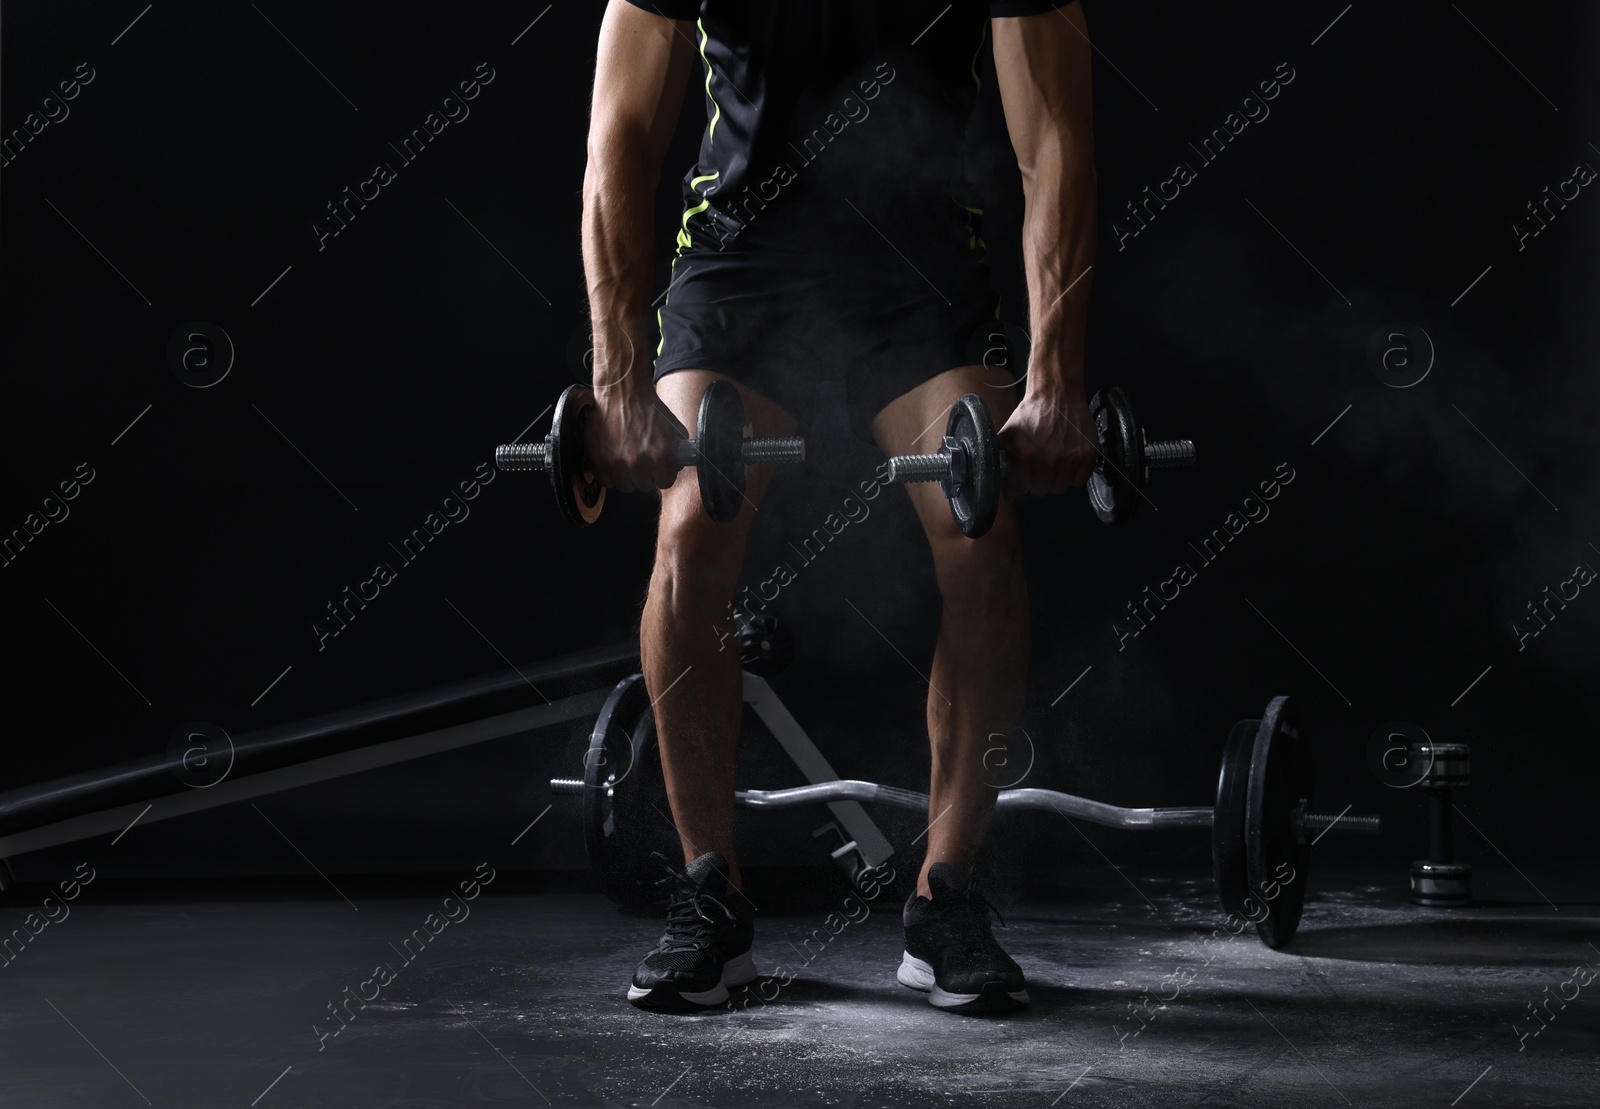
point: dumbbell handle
(936, 467)
(685, 452)
(774, 451)
(1166, 453)
(919, 467)
(521, 456)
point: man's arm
(1043, 67)
(640, 76)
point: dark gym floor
(206, 994)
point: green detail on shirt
(684, 242)
(711, 132)
(983, 38)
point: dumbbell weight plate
(975, 499)
(1117, 483)
(1276, 857)
(1228, 824)
(719, 434)
(578, 491)
(625, 811)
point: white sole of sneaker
(918, 975)
(915, 973)
(737, 971)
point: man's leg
(980, 662)
(687, 639)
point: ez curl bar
(1262, 825)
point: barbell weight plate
(1228, 864)
(1276, 856)
(1117, 484)
(578, 491)
(975, 499)
(719, 438)
(625, 810)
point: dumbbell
(1261, 825)
(972, 468)
(1439, 881)
(719, 452)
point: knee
(999, 548)
(983, 575)
(694, 553)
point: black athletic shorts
(779, 314)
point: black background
(399, 355)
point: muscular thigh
(681, 391)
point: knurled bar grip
(1169, 452)
(1163, 453)
(520, 456)
(754, 452)
(919, 467)
(1321, 822)
(774, 451)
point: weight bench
(347, 741)
(161, 786)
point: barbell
(1261, 823)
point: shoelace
(687, 918)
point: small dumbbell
(971, 467)
(765, 646)
(719, 452)
(1439, 881)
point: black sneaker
(706, 947)
(951, 955)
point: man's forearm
(641, 71)
(1058, 249)
(618, 246)
(1043, 65)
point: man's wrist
(620, 387)
(1054, 380)
(621, 362)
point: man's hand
(1051, 443)
(629, 438)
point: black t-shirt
(818, 107)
